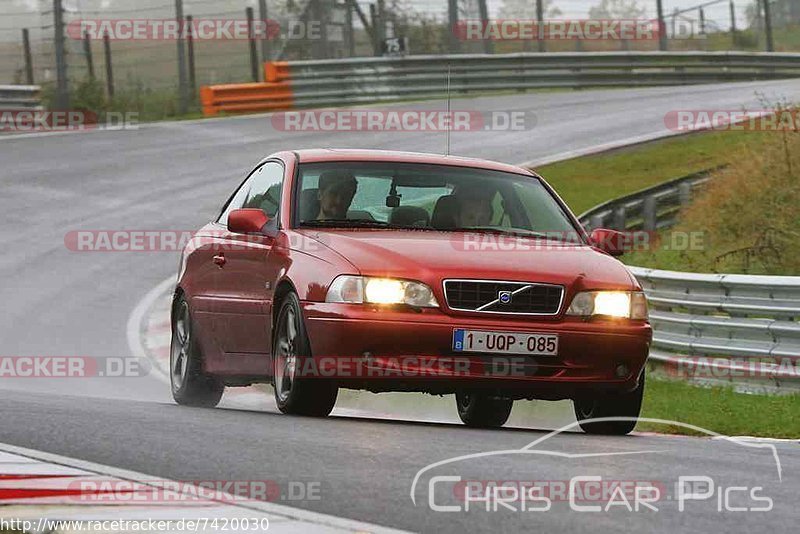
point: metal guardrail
(650, 209)
(744, 318)
(381, 79)
(20, 97)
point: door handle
(220, 260)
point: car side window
(261, 190)
(265, 189)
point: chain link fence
(344, 28)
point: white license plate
(505, 342)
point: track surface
(175, 177)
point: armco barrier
(20, 97)
(246, 97)
(368, 80)
(650, 209)
(740, 317)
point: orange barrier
(273, 95)
(276, 71)
(246, 97)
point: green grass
(720, 409)
(729, 210)
(586, 182)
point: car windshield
(427, 197)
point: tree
(617, 9)
(526, 9)
(784, 12)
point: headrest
(409, 216)
(309, 205)
(445, 214)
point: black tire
(479, 410)
(628, 405)
(190, 385)
(310, 396)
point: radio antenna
(449, 115)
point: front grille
(484, 296)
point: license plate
(505, 342)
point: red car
(391, 271)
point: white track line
(135, 321)
(311, 519)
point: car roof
(319, 155)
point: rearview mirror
(610, 241)
(247, 221)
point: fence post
(251, 39)
(109, 67)
(350, 39)
(190, 50)
(26, 47)
(702, 15)
(452, 20)
(87, 50)
(488, 45)
(183, 101)
(768, 26)
(662, 28)
(62, 82)
(381, 29)
(540, 19)
(263, 14)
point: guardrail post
(685, 192)
(26, 48)
(649, 214)
(619, 218)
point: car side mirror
(247, 221)
(609, 241)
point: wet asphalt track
(174, 177)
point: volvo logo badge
(504, 297)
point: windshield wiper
(502, 231)
(346, 223)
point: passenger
(336, 192)
(475, 207)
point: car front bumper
(380, 349)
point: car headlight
(364, 289)
(623, 304)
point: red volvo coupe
(391, 271)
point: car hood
(434, 256)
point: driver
(475, 207)
(336, 192)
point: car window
(262, 189)
(436, 197)
(265, 189)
